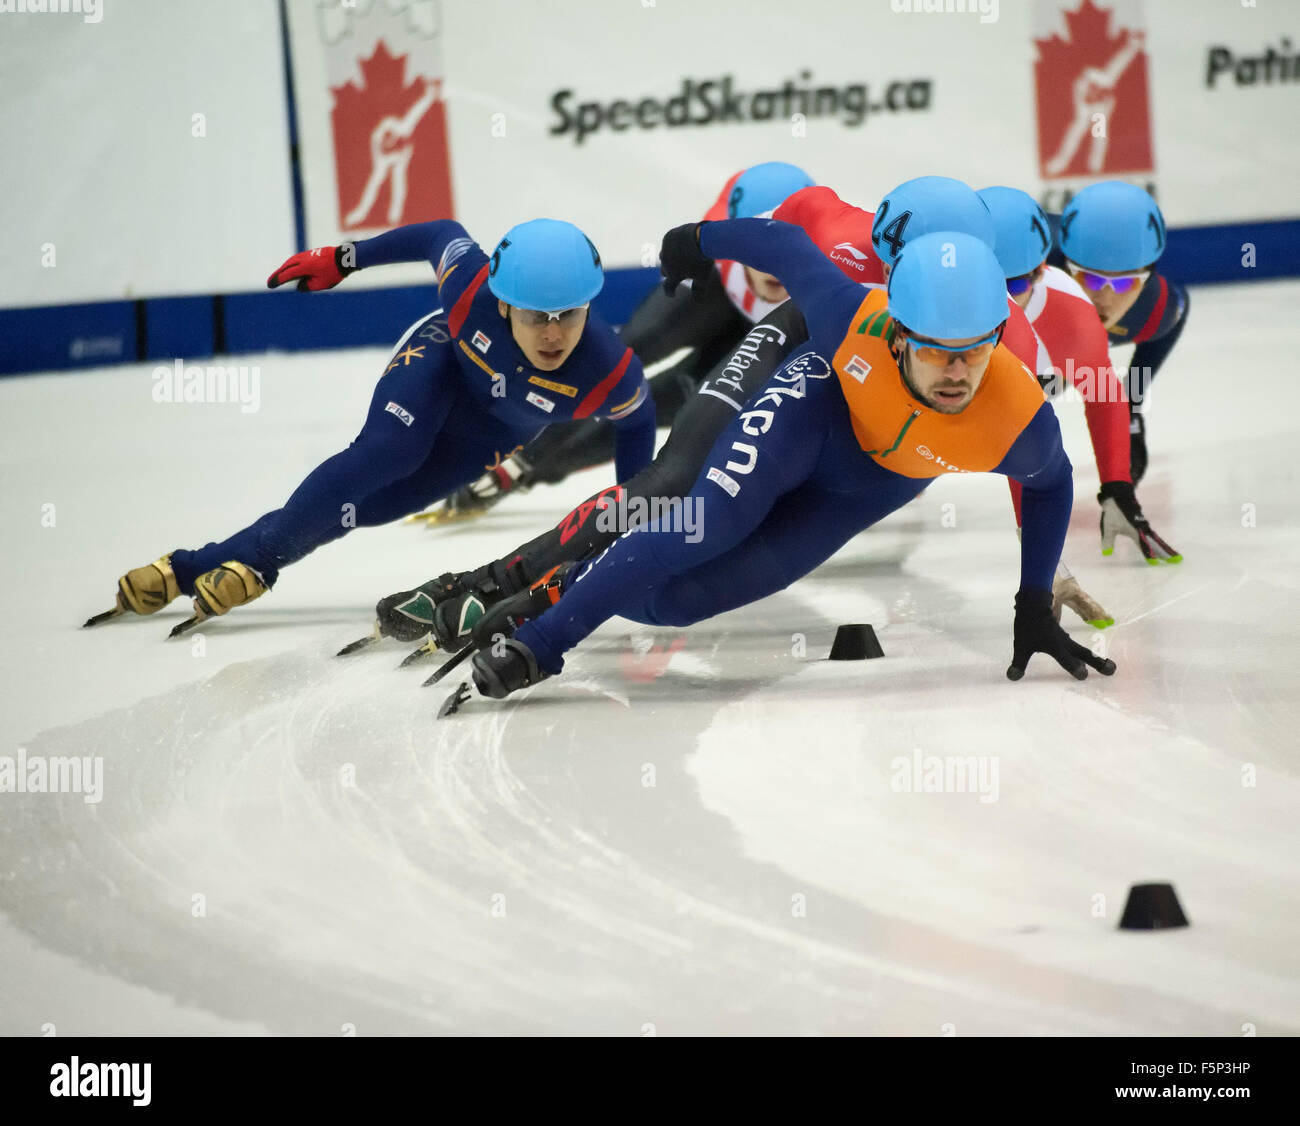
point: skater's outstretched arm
(1037, 459)
(439, 243)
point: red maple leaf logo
(1092, 81)
(390, 146)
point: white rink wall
(151, 147)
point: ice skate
(503, 667)
(220, 590)
(143, 590)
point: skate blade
(448, 665)
(428, 649)
(451, 705)
(115, 612)
(440, 517)
(201, 614)
(186, 626)
(360, 643)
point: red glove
(322, 268)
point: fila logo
(402, 413)
(541, 401)
(722, 479)
(481, 341)
(857, 367)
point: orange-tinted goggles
(931, 352)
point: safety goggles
(1017, 286)
(536, 318)
(930, 352)
(1095, 283)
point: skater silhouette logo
(388, 117)
(1093, 101)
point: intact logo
(392, 160)
(723, 480)
(1093, 99)
(541, 401)
(404, 416)
(481, 341)
(930, 455)
(857, 367)
(858, 260)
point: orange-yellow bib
(907, 437)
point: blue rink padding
(57, 337)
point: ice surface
(510, 869)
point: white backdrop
(101, 161)
(99, 157)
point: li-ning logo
(1094, 107)
(402, 413)
(857, 261)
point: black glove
(1036, 631)
(1122, 515)
(680, 257)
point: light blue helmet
(545, 264)
(1024, 235)
(928, 203)
(764, 188)
(1112, 226)
(948, 285)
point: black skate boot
(505, 666)
(447, 607)
(507, 615)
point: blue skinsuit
(455, 398)
(809, 489)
